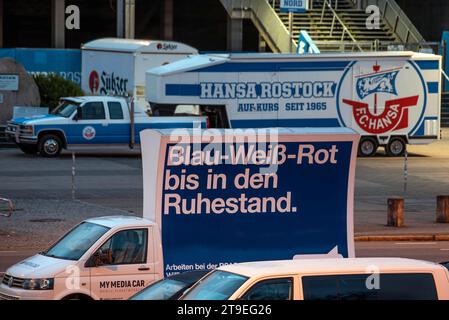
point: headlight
(26, 129)
(38, 284)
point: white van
(325, 279)
(101, 258)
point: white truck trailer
(390, 98)
(112, 66)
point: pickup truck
(89, 121)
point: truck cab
(100, 258)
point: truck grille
(7, 297)
(16, 282)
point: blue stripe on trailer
(290, 123)
(421, 131)
(433, 87)
(428, 64)
(185, 90)
(276, 66)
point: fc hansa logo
(382, 98)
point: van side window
(274, 289)
(115, 111)
(127, 247)
(93, 111)
(404, 286)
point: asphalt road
(431, 251)
(114, 179)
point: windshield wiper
(44, 253)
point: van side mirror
(99, 259)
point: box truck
(211, 198)
(113, 66)
(390, 98)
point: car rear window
(115, 111)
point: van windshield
(218, 285)
(75, 243)
(65, 109)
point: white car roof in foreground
(329, 266)
(121, 221)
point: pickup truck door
(119, 122)
(92, 127)
(131, 267)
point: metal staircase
(324, 26)
(340, 26)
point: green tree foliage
(52, 87)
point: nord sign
(296, 6)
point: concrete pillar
(168, 20)
(235, 34)
(130, 9)
(262, 44)
(443, 209)
(395, 212)
(58, 23)
(120, 19)
(1, 23)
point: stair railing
(396, 18)
(265, 19)
(335, 19)
(346, 46)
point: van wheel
(28, 148)
(50, 146)
(396, 147)
(368, 147)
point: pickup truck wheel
(368, 147)
(396, 147)
(50, 146)
(28, 148)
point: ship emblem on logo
(385, 83)
(373, 88)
